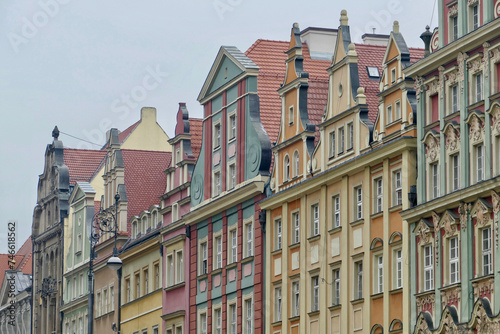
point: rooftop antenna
(373, 30)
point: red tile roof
(125, 133)
(23, 260)
(196, 131)
(144, 178)
(373, 56)
(416, 54)
(82, 163)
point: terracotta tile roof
(196, 131)
(4, 265)
(82, 163)
(373, 56)
(144, 178)
(416, 54)
(270, 56)
(22, 258)
(125, 133)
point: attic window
(373, 72)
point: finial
(361, 97)
(343, 18)
(426, 37)
(395, 27)
(295, 25)
(352, 50)
(55, 132)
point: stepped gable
(196, 131)
(82, 164)
(145, 180)
(373, 56)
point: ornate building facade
(454, 254)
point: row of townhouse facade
(331, 187)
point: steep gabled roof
(23, 260)
(196, 131)
(372, 56)
(144, 178)
(82, 164)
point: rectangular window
(232, 319)
(453, 260)
(341, 140)
(170, 270)
(454, 24)
(379, 193)
(277, 304)
(82, 284)
(232, 176)
(291, 115)
(203, 258)
(217, 183)
(486, 251)
(217, 135)
(475, 17)
(455, 165)
(179, 267)
(249, 239)
(105, 301)
(358, 276)
(295, 299)
(112, 298)
(218, 252)
(234, 246)
(380, 274)
(203, 325)
(157, 275)
(397, 110)
(98, 304)
(428, 268)
(146, 281)
(336, 287)
(137, 285)
(435, 180)
(79, 243)
(398, 188)
(478, 82)
(480, 162)
(393, 75)
(332, 144)
(350, 138)
(127, 289)
(336, 211)
(389, 114)
(315, 220)
(296, 227)
(454, 98)
(398, 269)
(359, 202)
(232, 126)
(218, 321)
(248, 316)
(315, 293)
(277, 234)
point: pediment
(424, 230)
(481, 210)
(452, 136)
(431, 141)
(449, 222)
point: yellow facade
(337, 250)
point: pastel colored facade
(226, 235)
(176, 203)
(76, 258)
(454, 254)
(331, 231)
(142, 289)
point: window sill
(396, 291)
(313, 313)
(78, 252)
(230, 140)
(294, 318)
(175, 286)
(335, 307)
(314, 238)
(276, 323)
(232, 265)
(357, 222)
(396, 208)
(276, 252)
(377, 295)
(247, 259)
(216, 271)
(357, 301)
(377, 214)
(475, 105)
(451, 286)
(335, 230)
(397, 121)
(294, 245)
(202, 276)
(452, 115)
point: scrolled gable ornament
(432, 145)
(475, 129)
(452, 142)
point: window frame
(336, 217)
(358, 200)
(248, 226)
(428, 265)
(378, 184)
(358, 277)
(315, 219)
(295, 304)
(336, 286)
(315, 293)
(332, 144)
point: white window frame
(315, 219)
(428, 261)
(341, 140)
(453, 253)
(249, 238)
(358, 276)
(217, 141)
(397, 110)
(277, 303)
(232, 126)
(454, 98)
(295, 299)
(336, 211)
(379, 273)
(248, 316)
(217, 183)
(291, 115)
(232, 317)
(296, 163)
(455, 171)
(296, 227)
(486, 251)
(358, 193)
(398, 268)
(315, 293)
(379, 195)
(203, 257)
(278, 234)
(389, 114)
(233, 244)
(478, 87)
(336, 286)
(350, 136)
(217, 251)
(332, 144)
(397, 176)
(479, 162)
(232, 175)
(286, 168)
(217, 320)
(434, 170)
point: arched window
(286, 169)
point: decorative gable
(431, 141)
(452, 135)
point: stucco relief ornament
(461, 69)
(448, 228)
(422, 327)
(453, 11)
(440, 83)
(452, 77)
(451, 142)
(463, 210)
(476, 65)
(475, 129)
(485, 59)
(496, 119)
(432, 148)
(423, 233)
(435, 221)
(472, 2)
(495, 198)
(419, 83)
(495, 53)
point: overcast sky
(87, 66)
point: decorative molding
(485, 60)
(476, 130)
(475, 65)
(452, 77)
(432, 146)
(471, 3)
(453, 11)
(483, 287)
(419, 86)
(452, 141)
(495, 113)
(496, 11)
(435, 220)
(440, 83)
(451, 296)
(448, 224)
(423, 232)
(461, 57)
(464, 211)
(426, 302)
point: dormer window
(286, 168)
(393, 75)
(373, 72)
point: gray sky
(82, 65)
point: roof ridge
(133, 150)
